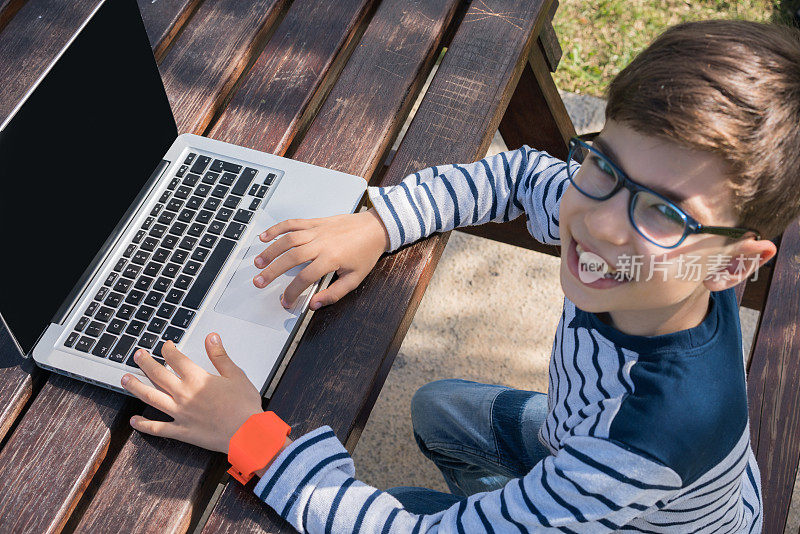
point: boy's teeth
(609, 269)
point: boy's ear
(745, 258)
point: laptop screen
(72, 160)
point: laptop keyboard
(162, 277)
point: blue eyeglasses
(652, 215)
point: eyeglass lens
(657, 220)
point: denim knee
(429, 406)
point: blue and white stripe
(591, 482)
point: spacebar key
(209, 273)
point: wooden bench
(331, 87)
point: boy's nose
(607, 220)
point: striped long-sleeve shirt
(646, 434)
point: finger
(182, 364)
(310, 274)
(157, 373)
(341, 287)
(289, 225)
(150, 395)
(294, 239)
(219, 357)
(286, 261)
(157, 428)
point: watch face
(257, 442)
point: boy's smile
(660, 298)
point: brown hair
(731, 87)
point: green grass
(600, 37)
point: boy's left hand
(207, 409)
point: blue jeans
(480, 436)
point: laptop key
(220, 191)
(143, 283)
(101, 293)
(202, 190)
(243, 216)
(147, 223)
(161, 255)
(204, 216)
(104, 314)
(235, 230)
(81, 323)
(162, 284)
(179, 256)
(114, 299)
(191, 179)
(194, 202)
(135, 328)
(254, 204)
(84, 344)
(153, 298)
(208, 240)
(116, 326)
(157, 325)
(173, 183)
(200, 253)
(227, 178)
(139, 236)
(140, 258)
(166, 311)
(169, 241)
(111, 279)
(191, 268)
(242, 184)
(175, 205)
(91, 308)
(216, 227)
(123, 285)
(164, 196)
(262, 191)
(174, 296)
(186, 215)
(156, 209)
(190, 158)
(104, 345)
(71, 339)
(269, 179)
(183, 281)
(120, 264)
(149, 244)
(188, 243)
(178, 228)
(131, 271)
(167, 217)
(210, 177)
(200, 164)
(172, 334)
(182, 171)
(196, 229)
(158, 230)
(148, 340)
(134, 297)
(220, 165)
(253, 190)
(122, 348)
(125, 312)
(157, 349)
(212, 204)
(232, 201)
(224, 214)
(94, 329)
(183, 192)
(152, 269)
(183, 318)
(171, 270)
(208, 274)
(145, 313)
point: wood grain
(8, 8)
(31, 41)
(71, 421)
(772, 384)
(342, 360)
(163, 20)
(206, 60)
(17, 377)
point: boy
(644, 427)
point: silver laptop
(103, 255)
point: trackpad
(243, 300)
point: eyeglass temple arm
(727, 231)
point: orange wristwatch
(255, 444)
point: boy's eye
(669, 212)
(603, 165)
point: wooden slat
(548, 40)
(151, 481)
(536, 117)
(205, 62)
(163, 20)
(8, 8)
(16, 380)
(38, 493)
(772, 384)
(30, 42)
(342, 360)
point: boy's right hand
(349, 244)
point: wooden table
(329, 83)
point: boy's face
(678, 277)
